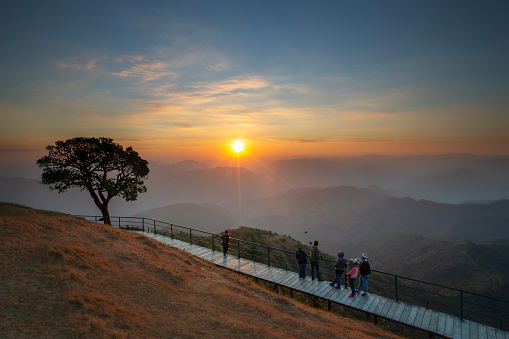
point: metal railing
(464, 304)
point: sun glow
(238, 146)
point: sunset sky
(180, 79)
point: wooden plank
(277, 276)
(426, 318)
(441, 323)
(399, 311)
(456, 331)
(412, 315)
(323, 291)
(289, 278)
(474, 331)
(374, 304)
(342, 297)
(419, 317)
(355, 302)
(313, 286)
(482, 330)
(331, 293)
(406, 313)
(499, 334)
(449, 326)
(378, 309)
(361, 302)
(465, 329)
(392, 310)
(368, 303)
(491, 332)
(349, 300)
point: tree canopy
(99, 165)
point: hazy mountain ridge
(204, 217)
(414, 175)
(313, 204)
(358, 214)
(481, 267)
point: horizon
(181, 80)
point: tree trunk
(106, 216)
(102, 205)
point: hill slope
(66, 277)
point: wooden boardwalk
(432, 322)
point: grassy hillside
(63, 276)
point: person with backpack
(339, 265)
(302, 260)
(315, 261)
(364, 271)
(225, 241)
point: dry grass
(65, 277)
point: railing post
(268, 256)
(155, 228)
(461, 306)
(171, 230)
(213, 243)
(238, 248)
(118, 222)
(191, 236)
(396, 287)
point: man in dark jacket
(302, 260)
(364, 271)
(225, 241)
(339, 265)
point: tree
(98, 165)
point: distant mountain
(216, 185)
(456, 185)
(482, 267)
(30, 192)
(165, 186)
(350, 214)
(445, 178)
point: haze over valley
(457, 196)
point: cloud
(77, 65)
(149, 71)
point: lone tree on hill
(99, 165)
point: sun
(238, 146)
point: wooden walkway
(432, 322)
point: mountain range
(457, 196)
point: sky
(180, 80)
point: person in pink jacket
(352, 274)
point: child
(352, 274)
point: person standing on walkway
(352, 274)
(315, 261)
(302, 260)
(225, 241)
(339, 265)
(364, 271)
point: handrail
(385, 287)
